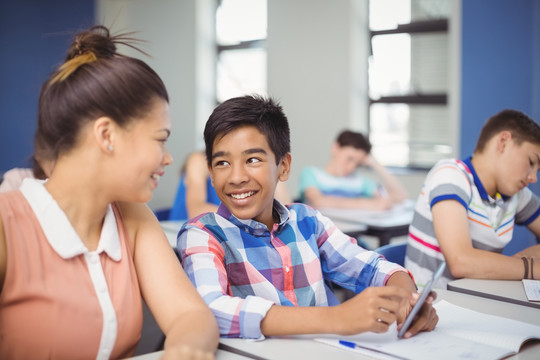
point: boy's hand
(374, 309)
(425, 320)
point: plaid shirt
(241, 269)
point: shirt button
(286, 269)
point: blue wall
(500, 68)
(34, 37)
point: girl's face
(142, 155)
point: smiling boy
(466, 211)
(266, 269)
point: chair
(162, 214)
(394, 252)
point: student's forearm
(396, 191)
(289, 320)
(533, 251)
(401, 279)
(195, 329)
(376, 203)
(481, 264)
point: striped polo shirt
(491, 221)
(352, 186)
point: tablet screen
(427, 289)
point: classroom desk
(502, 290)
(303, 348)
(171, 228)
(382, 224)
(220, 355)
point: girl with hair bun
(78, 250)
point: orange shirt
(60, 300)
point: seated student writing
(466, 211)
(79, 251)
(339, 185)
(196, 195)
(264, 268)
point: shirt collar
(58, 230)
(253, 226)
(481, 190)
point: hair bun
(96, 40)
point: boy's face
(519, 165)
(347, 159)
(244, 173)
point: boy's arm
(396, 191)
(203, 261)
(534, 250)
(374, 309)
(196, 176)
(452, 231)
(318, 200)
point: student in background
(201, 196)
(79, 250)
(196, 195)
(467, 209)
(339, 185)
(264, 268)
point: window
(241, 35)
(409, 121)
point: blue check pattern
(241, 268)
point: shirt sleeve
(528, 207)
(203, 261)
(448, 182)
(307, 179)
(347, 264)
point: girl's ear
(284, 167)
(104, 130)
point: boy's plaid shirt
(241, 268)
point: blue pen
(352, 345)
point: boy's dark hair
(265, 114)
(354, 139)
(517, 123)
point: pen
(352, 345)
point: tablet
(427, 289)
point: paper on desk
(400, 214)
(532, 289)
(460, 334)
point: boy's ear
(503, 139)
(211, 174)
(104, 130)
(284, 167)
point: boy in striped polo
(466, 211)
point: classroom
(316, 64)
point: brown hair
(93, 81)
(354, 139)
(517, 123)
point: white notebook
(532, 289)
(460, 334)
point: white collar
(59, 231)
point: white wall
(317, 69)
(180, 39)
